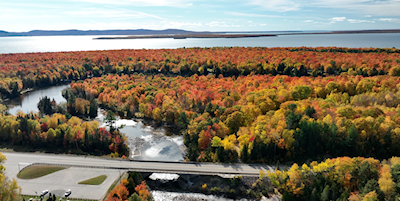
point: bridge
(139, 166)
(82, 168)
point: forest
(19, 72)
(343, 178)
(338, 106)
(262, 118)
(133, 188)
(59, 134)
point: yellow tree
(385, 181)
(371, 196)
(9, 190)
(295, 183)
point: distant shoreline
(346, 32)
(184, 36)
(178, 33)
(211, 35)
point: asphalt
(60, 181)
(88, 167)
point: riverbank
(33, 89)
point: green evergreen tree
(351, 140)
(314, 195)
(135, 197)
(366, 173)
(287, 196)
(325, 195)
(183, 121)
(93, 109)
(131, 185)
(395, 170)
(110, 120)
(244, 155)
(45, 106)
(310, 111)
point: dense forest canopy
(266, 118)
(22, 71)
(253, 105)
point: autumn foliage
(142, 191)
(119, 192)
(341, 178)
(263, 117)
(57, 132)
(128, 189)
(258, 105)
(22, 71)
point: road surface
(82, 168)
(141, 166)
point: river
(167, 196)
(85, 43)
(145, 142)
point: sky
(209, 15)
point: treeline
(345, 178)
(23, 71)
(62, 134)
(262, 118)
(134, 188)
(77, 105)
(344, 49)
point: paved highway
(82, 168)
(161, 167)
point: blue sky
(215, 15)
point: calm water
(28, 102)
(78, 43)
(145, 142)
(148, 143)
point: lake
(150, 143)
(86, 43)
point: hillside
(99, 32)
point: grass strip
(94, 181)
(36, 171)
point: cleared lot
(63, 180)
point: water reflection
(145, 141)
(28, 101)
(85, 43)
(149, 143)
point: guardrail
(120, 159)
(195, 172)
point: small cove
(145, 142)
